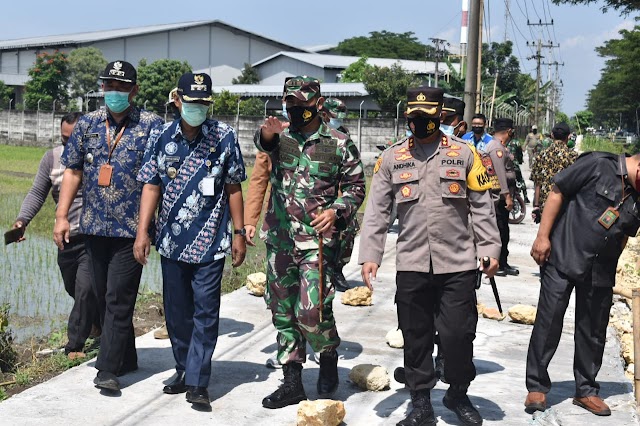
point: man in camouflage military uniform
(310, 163)
(504, 186)
(334, 112)
(549, 162)
(438, 183)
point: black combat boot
(456, 400)
(422, 412)
(328, 378)
(339, 281)
(290, 391)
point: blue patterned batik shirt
(193, 227)
(109, 211)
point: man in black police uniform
(452, 118)
(587, 218)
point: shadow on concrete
(346, 350)
(486, 367)
(234, 328)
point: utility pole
(439, 52)
(552, 106)
(479, 67)
(471, 77)
(507, 12)
(538, 57)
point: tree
(85, 65)
(615, 97)
(388, 85)
(624, 6)
(224, 103)
(498, 58)
(562, 117)
(385, 44)
(249, 76)
(354, 73)
(156, 80)
(581, 121)
(49, 80)
(252, 107)
(5, 95)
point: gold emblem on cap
(421, 97)
(199, 79)
(172, 172)
(306, 115)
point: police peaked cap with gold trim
(193, 87)
(302, 87)
(121, 71)
(453, 106)
(425, 99)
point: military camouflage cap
(302, 87)
(425, 99)
(335, 107)
(453, 106)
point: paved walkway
(240, 380)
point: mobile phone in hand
(13, 235)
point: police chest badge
(454, 188)
(406, 191)
(609, 217)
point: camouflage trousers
(345, 244)
(292, 295)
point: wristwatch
(242, 232)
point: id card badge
(104, 175)
(209, 186)
(609, 217)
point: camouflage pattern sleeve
(257, 140)
(352, 183)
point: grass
(591, 143)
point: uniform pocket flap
(606, 192)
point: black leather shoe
(501, 273)
(462, 407)
(422, 412)
(328, 378)
(199, 396)
(340, 282)
(398, 375)
(510, 270)
(176, 385)
(106, 380)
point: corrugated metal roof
(342, 62)
(89, 37)
(275, 90)
(14, 79)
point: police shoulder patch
(499, 153)
(376, 168)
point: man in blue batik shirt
(195, 167)
(477, 135)
(104, 154)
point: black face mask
(535, 131)
(424, 126)
(300, 116)
(478, 130)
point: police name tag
(209, 186)
(609, 217)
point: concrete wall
(33, 129)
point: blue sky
(578, 29)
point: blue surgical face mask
(284, 111)
(446, 129)
(335, 123)
(194, 114)
(117, 101)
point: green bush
(8, 355)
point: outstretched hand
(272, 126)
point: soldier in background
(310, 163)
(437, 183)
(532, 144)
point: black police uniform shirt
(581, 247)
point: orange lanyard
(116, 141)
